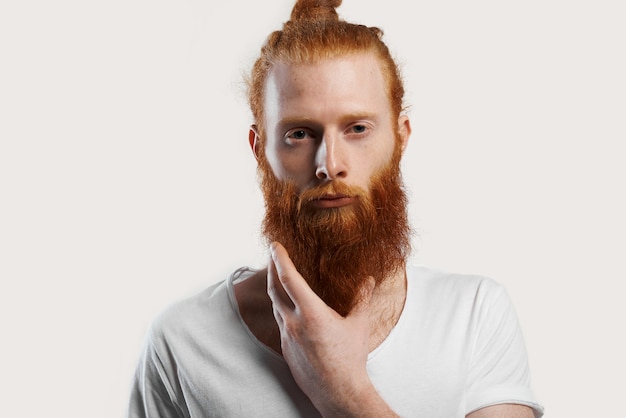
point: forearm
(363, 403)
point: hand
(326, 353)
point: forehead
(352, 82)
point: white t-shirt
(456, 348)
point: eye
(359, 129)
(300, 134)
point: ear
(404, 129)
(255, 140)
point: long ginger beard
(337, 249)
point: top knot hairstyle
(315, 10)
(315, 32)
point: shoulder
(464, 299)
(197, 314)
(434, 282)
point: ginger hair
(315, 32)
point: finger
(292, 282)
(278, 316)
(276, 292)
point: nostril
(321, 174)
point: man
(337, 324)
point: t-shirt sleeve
(152, 395)
(498, 370)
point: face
(329, 171)
(329, 121)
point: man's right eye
(299, 134)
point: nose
(331, 159)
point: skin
(329, 121)
(324, 125)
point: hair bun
(318, 10)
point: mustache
(334, 189)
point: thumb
(363, 302)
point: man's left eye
(359, 129)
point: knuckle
(272, 291)
(290, 328)
(283, 275)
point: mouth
(332, 201)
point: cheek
(288, 164)
(379, 160)
(380, 156)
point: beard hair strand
(337, 249)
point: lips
(333, 201)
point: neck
(255, 306)
(386, 307)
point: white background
(126, 181)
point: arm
(499, 377)
(503, 411)
(326, 352)
(150, 396)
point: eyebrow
(295, 121)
